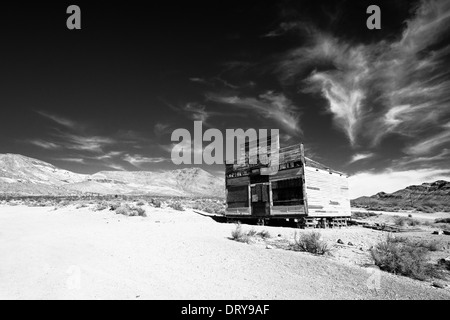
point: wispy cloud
(139, 160)
(84, 143)
(44, 144)
(425, 161)
(361, 156)
(75, 136)
(196, 111)
(109, 155)
(398, 86)
(161, 129)
(195, 79)
(269, 105)
(284, 28)
(116, 166)
(424, 146)
(59, 119)
(219, 82)
(192, 110)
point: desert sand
(73, 253)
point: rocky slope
(427, 197)
(20, 175)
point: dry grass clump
(238, 234)
(363, 214)
(114, 205)
(311, 242)
(264, 234)
(156, 203)
(101, 206)
(406, 221)
(209, 206)
(131, 211)
(177, 206)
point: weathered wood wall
(327, 193)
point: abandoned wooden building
(302, 192)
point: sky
(374, 104)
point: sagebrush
(404, 257)
(311, 242)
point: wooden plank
(243, 211)
(241, 181)
(283, 210)
(328, 194)
(286, 174)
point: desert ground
(70, 253)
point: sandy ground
(80, 254)
(416, 215)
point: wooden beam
(305, 197)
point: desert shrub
(139, 212)
(426, 209)
(433, 245)
(404, 221)
(177, 206)
(430, 204)
(443, 220)
(239, 235)
(264, 234)
(252, 233)
(140, 203)
(208, 210)
(400, 256)
(311, 242)
(123, 210)
(443, 226)
(113, 206)
(156, 203)
(101, 206)
(136, 211)
(363, 215)
(63, 203)
(209, 206)
(427, 223)
(127, 210)
(81, 205)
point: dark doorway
(260, 200)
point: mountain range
(427, 197)
(21, 175)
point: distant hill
(427, 197)
(20, 175)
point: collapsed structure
(301, 191)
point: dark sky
(372, 103)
